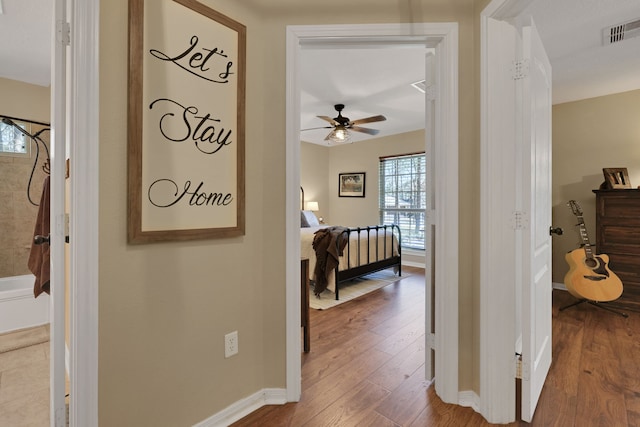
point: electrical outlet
(231, 344)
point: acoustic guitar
(589, 276)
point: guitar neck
(585, 237)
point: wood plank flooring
(366, 368)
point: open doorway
(441, 215)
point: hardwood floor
(366, 368)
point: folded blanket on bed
(328, 244)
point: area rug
(353, 289)
(15, 340)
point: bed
(365, 250)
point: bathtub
(18, 308)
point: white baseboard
(469, 399)
(560, 286)
(243, 407)
(413, 264)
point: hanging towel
(39, 255)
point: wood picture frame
(616, 178)
(351, 184)
(186, 122)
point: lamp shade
(339, 135)
(312, 206)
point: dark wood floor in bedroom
(366, 368)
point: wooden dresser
(618, 235)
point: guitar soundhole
(591, 262)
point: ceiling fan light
(340, 135)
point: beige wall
(17, 214)
(24, 100)
(165, 307)
(320, 166)
(314, 176)
(358, 157)
(589, 135)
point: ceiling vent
(617, 33)
(421, 86)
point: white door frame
(444, 37)
(57, 410)
(498, 316)
(81, 93)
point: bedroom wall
(314, 175)
(589, 135)
(365, 156)
(164, 308)
(320, 166)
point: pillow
(303, 220)
(308, 219)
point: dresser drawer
(618, 235)
(621, 238)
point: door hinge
(63, 33)
(520, 69)
(66, 227)
(518, 368)
(525, 373)
(432, 92)
(519, 220)
(431, 341)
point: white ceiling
(369, 80)
(582, 67)
(372, 80)
(25, 40)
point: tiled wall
(17, 214)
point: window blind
(403, 196)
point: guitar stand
(596, 304)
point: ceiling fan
(341, 125)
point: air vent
(421, 86)
(620, 32)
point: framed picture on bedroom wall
(351, 184)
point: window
(403, 196)
(12, 141)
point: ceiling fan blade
(328, 119)
(321, 127)
(364, 130)
(328, 137)
(378, 118)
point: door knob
(38, 240)
(556, 230)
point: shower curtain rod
(25, 120)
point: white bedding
(306, 250)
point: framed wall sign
(351, 184)
(185, 122)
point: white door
(429, 226)
(57, 238)
(536, 198)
